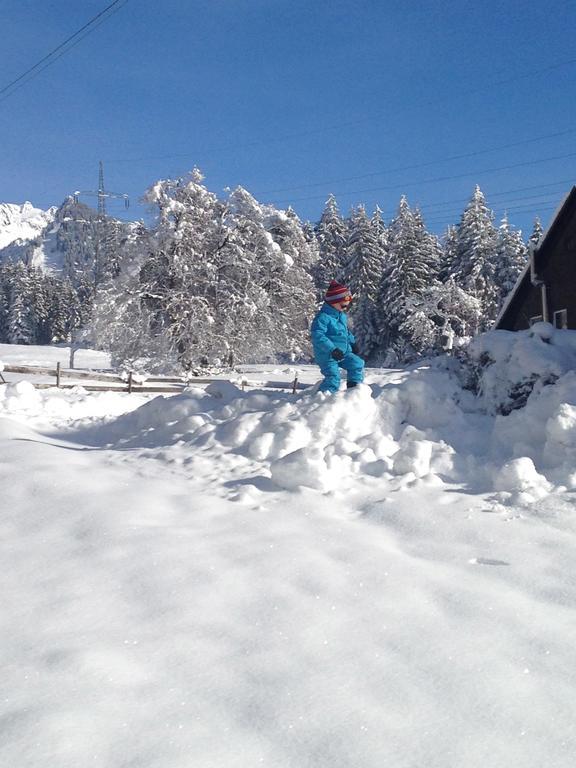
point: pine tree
(362, 274)
(537, 233)
(183, 265)
(40, 307)
(20, 314)
(64, 310)
(448, 254)
(4, 302)
(411, 270)
(474, 260)
(332, 236)
(511, 258)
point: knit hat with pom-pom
(337, 292)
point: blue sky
(294, 100)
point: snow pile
(544, 430)
(21, 401)
(419, 427)
(520, 479)
(317, 440)
(513, 363)
(528, 378)
(406, 429)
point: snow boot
(350, 384)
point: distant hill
(68, 241)
(19, 224)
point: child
(334, 344)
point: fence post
(130, 383)
(295, 385)
(57, 374)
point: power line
(61, 49)
(502, 206)
(541, 209)
(434, 180)
(443, 209)
(510, 205)
(505, 192)
(336, 126)
(513, 203)
(428, 163)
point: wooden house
(546, 290)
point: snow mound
(514, 363)
(418, 426)
(404, 429)
(68, 409)
(317, 440)
(520, 478)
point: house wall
(559, 273)
(556, 266)
(527, 304)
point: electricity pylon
(102, 194)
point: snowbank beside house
(513, 363)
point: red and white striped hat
(337, 292)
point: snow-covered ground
(225, 579)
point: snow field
(152, 623)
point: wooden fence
(132, 382)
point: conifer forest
(214, 282)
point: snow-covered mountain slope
(61, 240)
(223, 578)
(23, 222)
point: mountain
(69, 240)
(22, 223)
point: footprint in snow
(487, 561)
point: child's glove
(355, 348)
(337, 354)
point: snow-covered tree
(332, 236)
(537, 232)
(511, 258)
(448, 255)
(180, 265)
(64, 313)
(441, 316)
(292, 317)
(218, 281)
(362, 273)
(20, 313)
(473, 265)
(411, 269)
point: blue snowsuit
(330, 331)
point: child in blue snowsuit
(334, 344)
